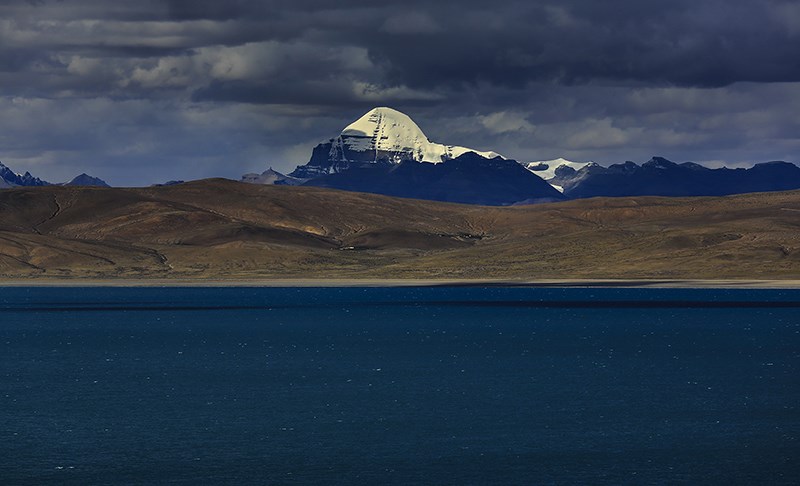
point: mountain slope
(86, 181)
(468, 178)
(225, 229)
(271, 176)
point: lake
(439, 385)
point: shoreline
(370, 282)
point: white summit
(388, 133)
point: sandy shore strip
(368, 282)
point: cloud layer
(140, 92)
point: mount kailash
(385, 152)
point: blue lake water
(450, 385)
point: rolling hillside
(224, 229)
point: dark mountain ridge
(662, 177)
(86, 180)
(14, 179)
(9, 178)
(469, 178)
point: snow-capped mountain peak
(385, 122)
(381, 136)
(386, 131)
(13, 179)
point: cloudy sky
(146, 91)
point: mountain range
(385, 152)
(9, 179)
(661, 177)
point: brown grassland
(219, 229)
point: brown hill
(225, 229)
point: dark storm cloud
(263, 80)
(682, 43)
(712, 43)
(690, 43)
(432, 44)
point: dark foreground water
(404, 386)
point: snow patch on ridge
(546, 169)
